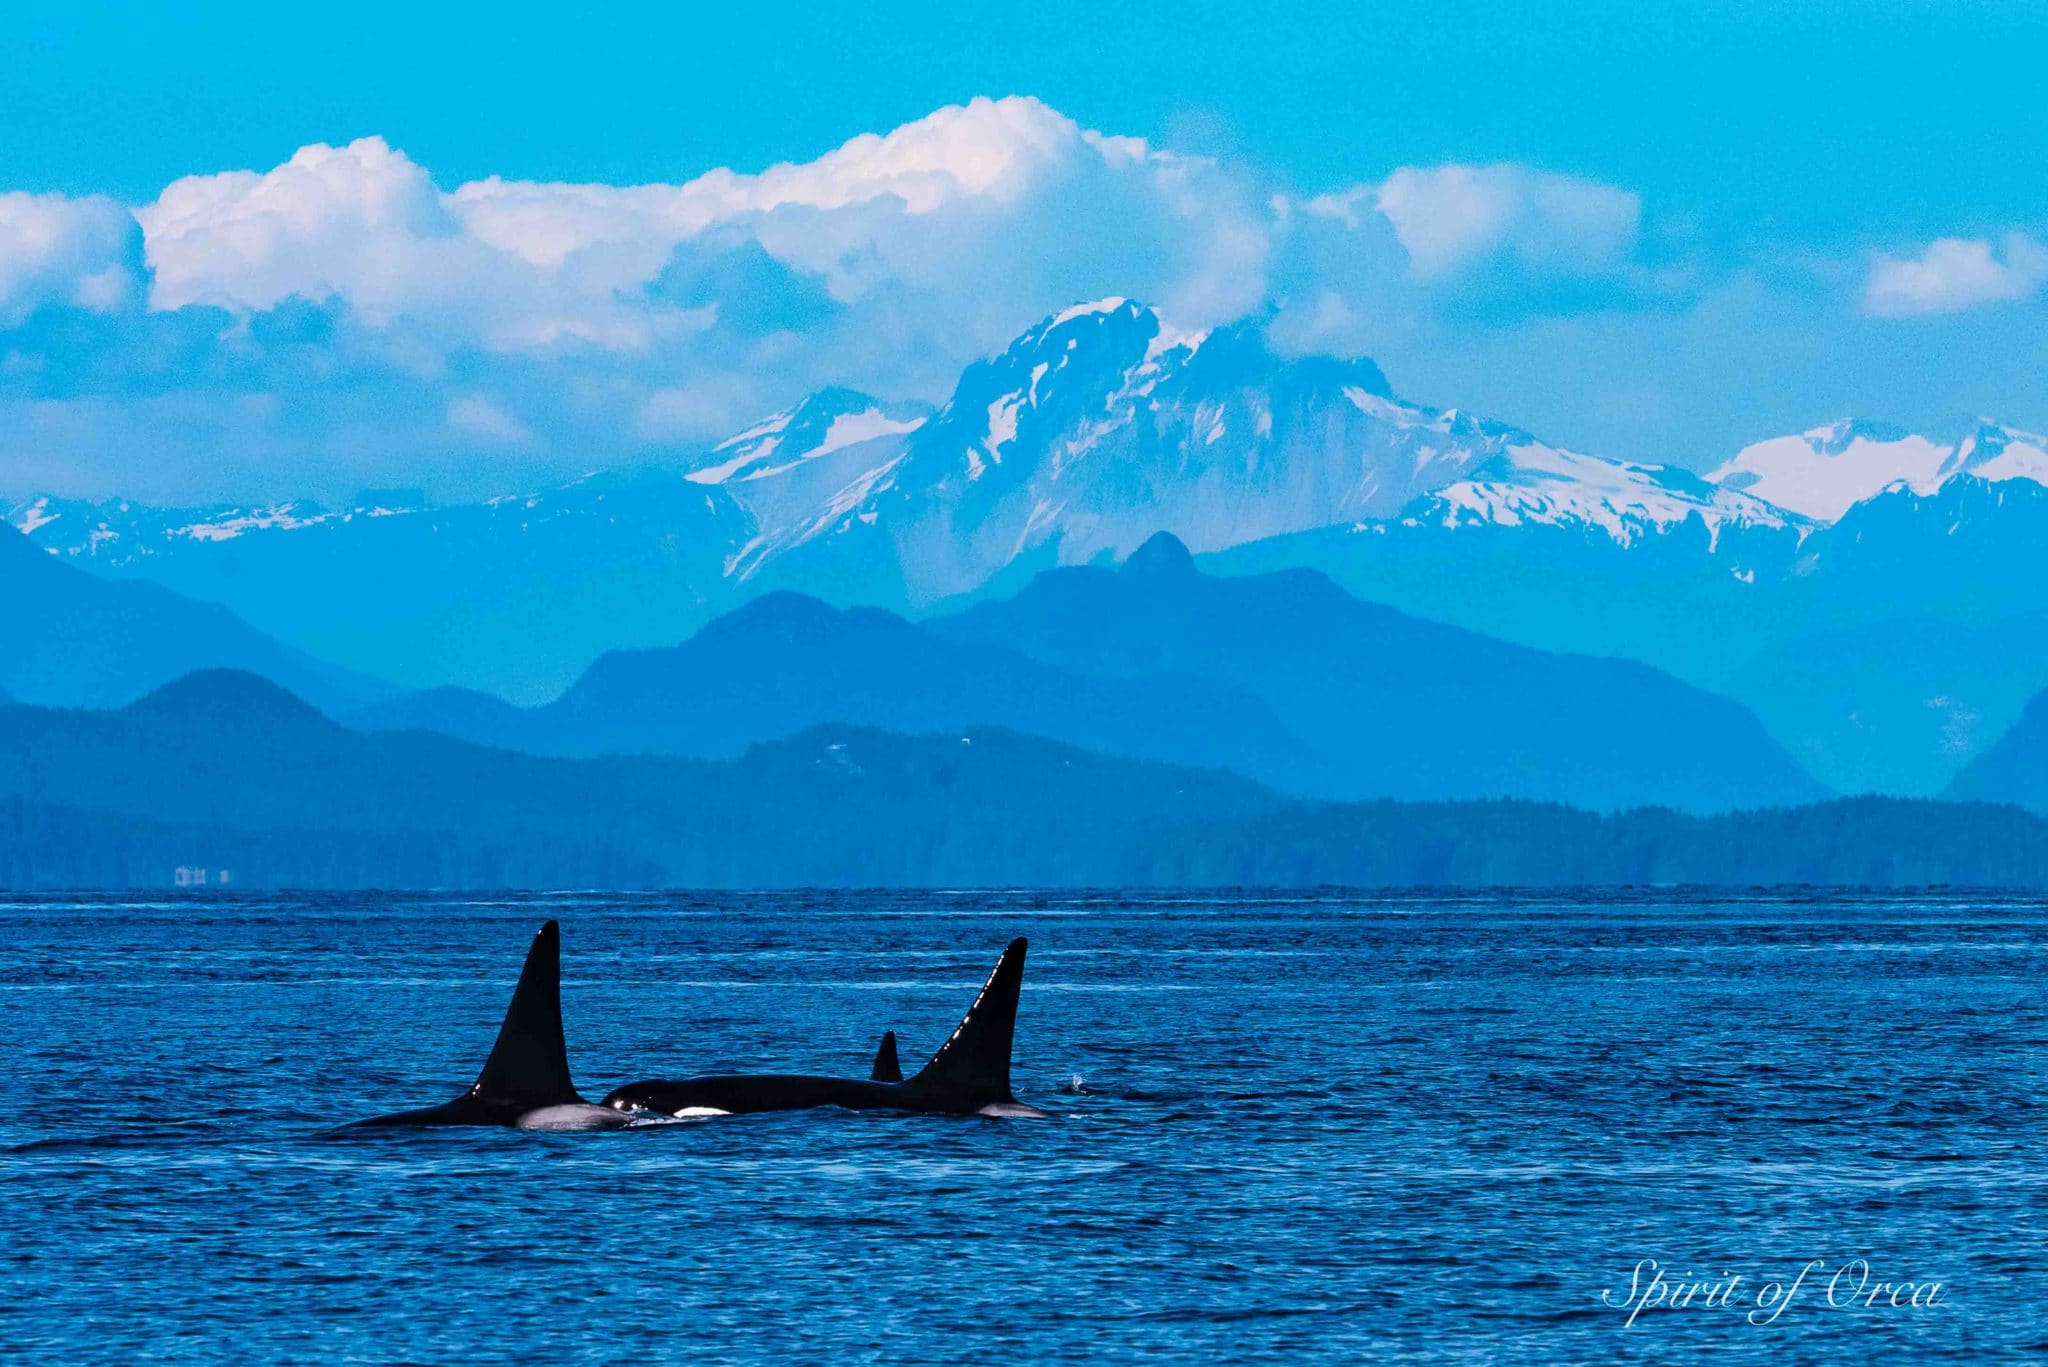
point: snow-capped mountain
(1994, 454)
(827, 422)
(515, 594)
(1533, 484)
(1804, 578)
(117, 530)
(1095, 429)
(797, 472)
(1824, 472)
(1104, 425)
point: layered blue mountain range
(1805, 579)
(1283, 678)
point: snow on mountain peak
(827, 421)
(1122, 326)
(75, 527)
(286, 517)
(31, 517)
(1171, 339)
(1070, 368)
(1823, 472)
(1837, 437)
(1529, 483)
(1993, 453)
(1109, 305)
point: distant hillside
(785, 663)
(73, 639)
(1398, 706)
(44, 845)
(224, 770)
(1848, 842)
(246, 772)
(1283, 678)
(2015, 769)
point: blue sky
(1652, 235)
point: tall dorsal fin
(887, 1069)
(530, 1062)
(975, 1062)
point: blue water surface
(1283, 1129)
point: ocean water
(1283, 1129)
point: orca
(525, 1082)
(970, 1075)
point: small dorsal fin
(975, 1062)
(530, 1062)
(887, 1069)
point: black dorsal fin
(887, 1069)
(975, 1063)
(530, 1062)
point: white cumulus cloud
(366, 225)
(1955, 273)
(963, 206)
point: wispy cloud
(1956, 273)
(476, 417)
(55, 249)
(1450, 218)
